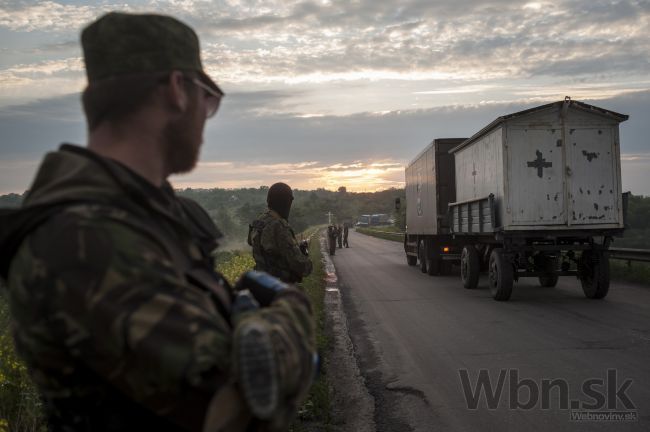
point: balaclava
(280, 198)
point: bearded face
(183, 137)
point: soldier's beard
(183, 139)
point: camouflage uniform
(331, 239)
(118, 313)
(116, 307)
(276, 249)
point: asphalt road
(415, 334)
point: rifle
(304, 246)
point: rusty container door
(592, 176)
(420, 194)
(445, 173)
(535, 176)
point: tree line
(234, 209)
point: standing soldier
(275, 248)
(331, 239)
(346, 228)
(117, 310)
(339, 236)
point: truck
(363, 221)
(430, 187)
(537, 194)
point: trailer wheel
(411, 260)
(433, 265)
(470, 265)
(548, 265)
(422, 256)
(593, 272)
(500, 276)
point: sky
(328, 93)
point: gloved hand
(244, 302)
(261, 285)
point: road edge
(353, 407)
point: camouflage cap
(123, 44)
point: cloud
(48, 15)
(49, 77)
(262, 135)
(297, 41)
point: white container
(554, 167)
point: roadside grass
(392, 233)
(315, 411)
(637, 272)
(20, 405)
(231, 264)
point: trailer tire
(411, 260)
(548, 265)
(593, 271)
(470, 266)
(433, 265)
(501, 276)
(422, 256)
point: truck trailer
(537, 194)
(430, 187)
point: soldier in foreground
(117, 309)
(275, 248)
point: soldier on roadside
(339, 236)
(275, 248)
(346, 229)
(117, 310)
(331, 239)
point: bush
(20, 405)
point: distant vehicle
(363, 221)
(379, 219)
(374, 220)
(536, 193)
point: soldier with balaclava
(275, 248)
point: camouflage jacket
(276, 250)
(118, 313)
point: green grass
(383, 232)
(233, 263)
(20, 406)
(316, 409)
(637, 272)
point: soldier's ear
(177, 92)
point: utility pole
(329, 215)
